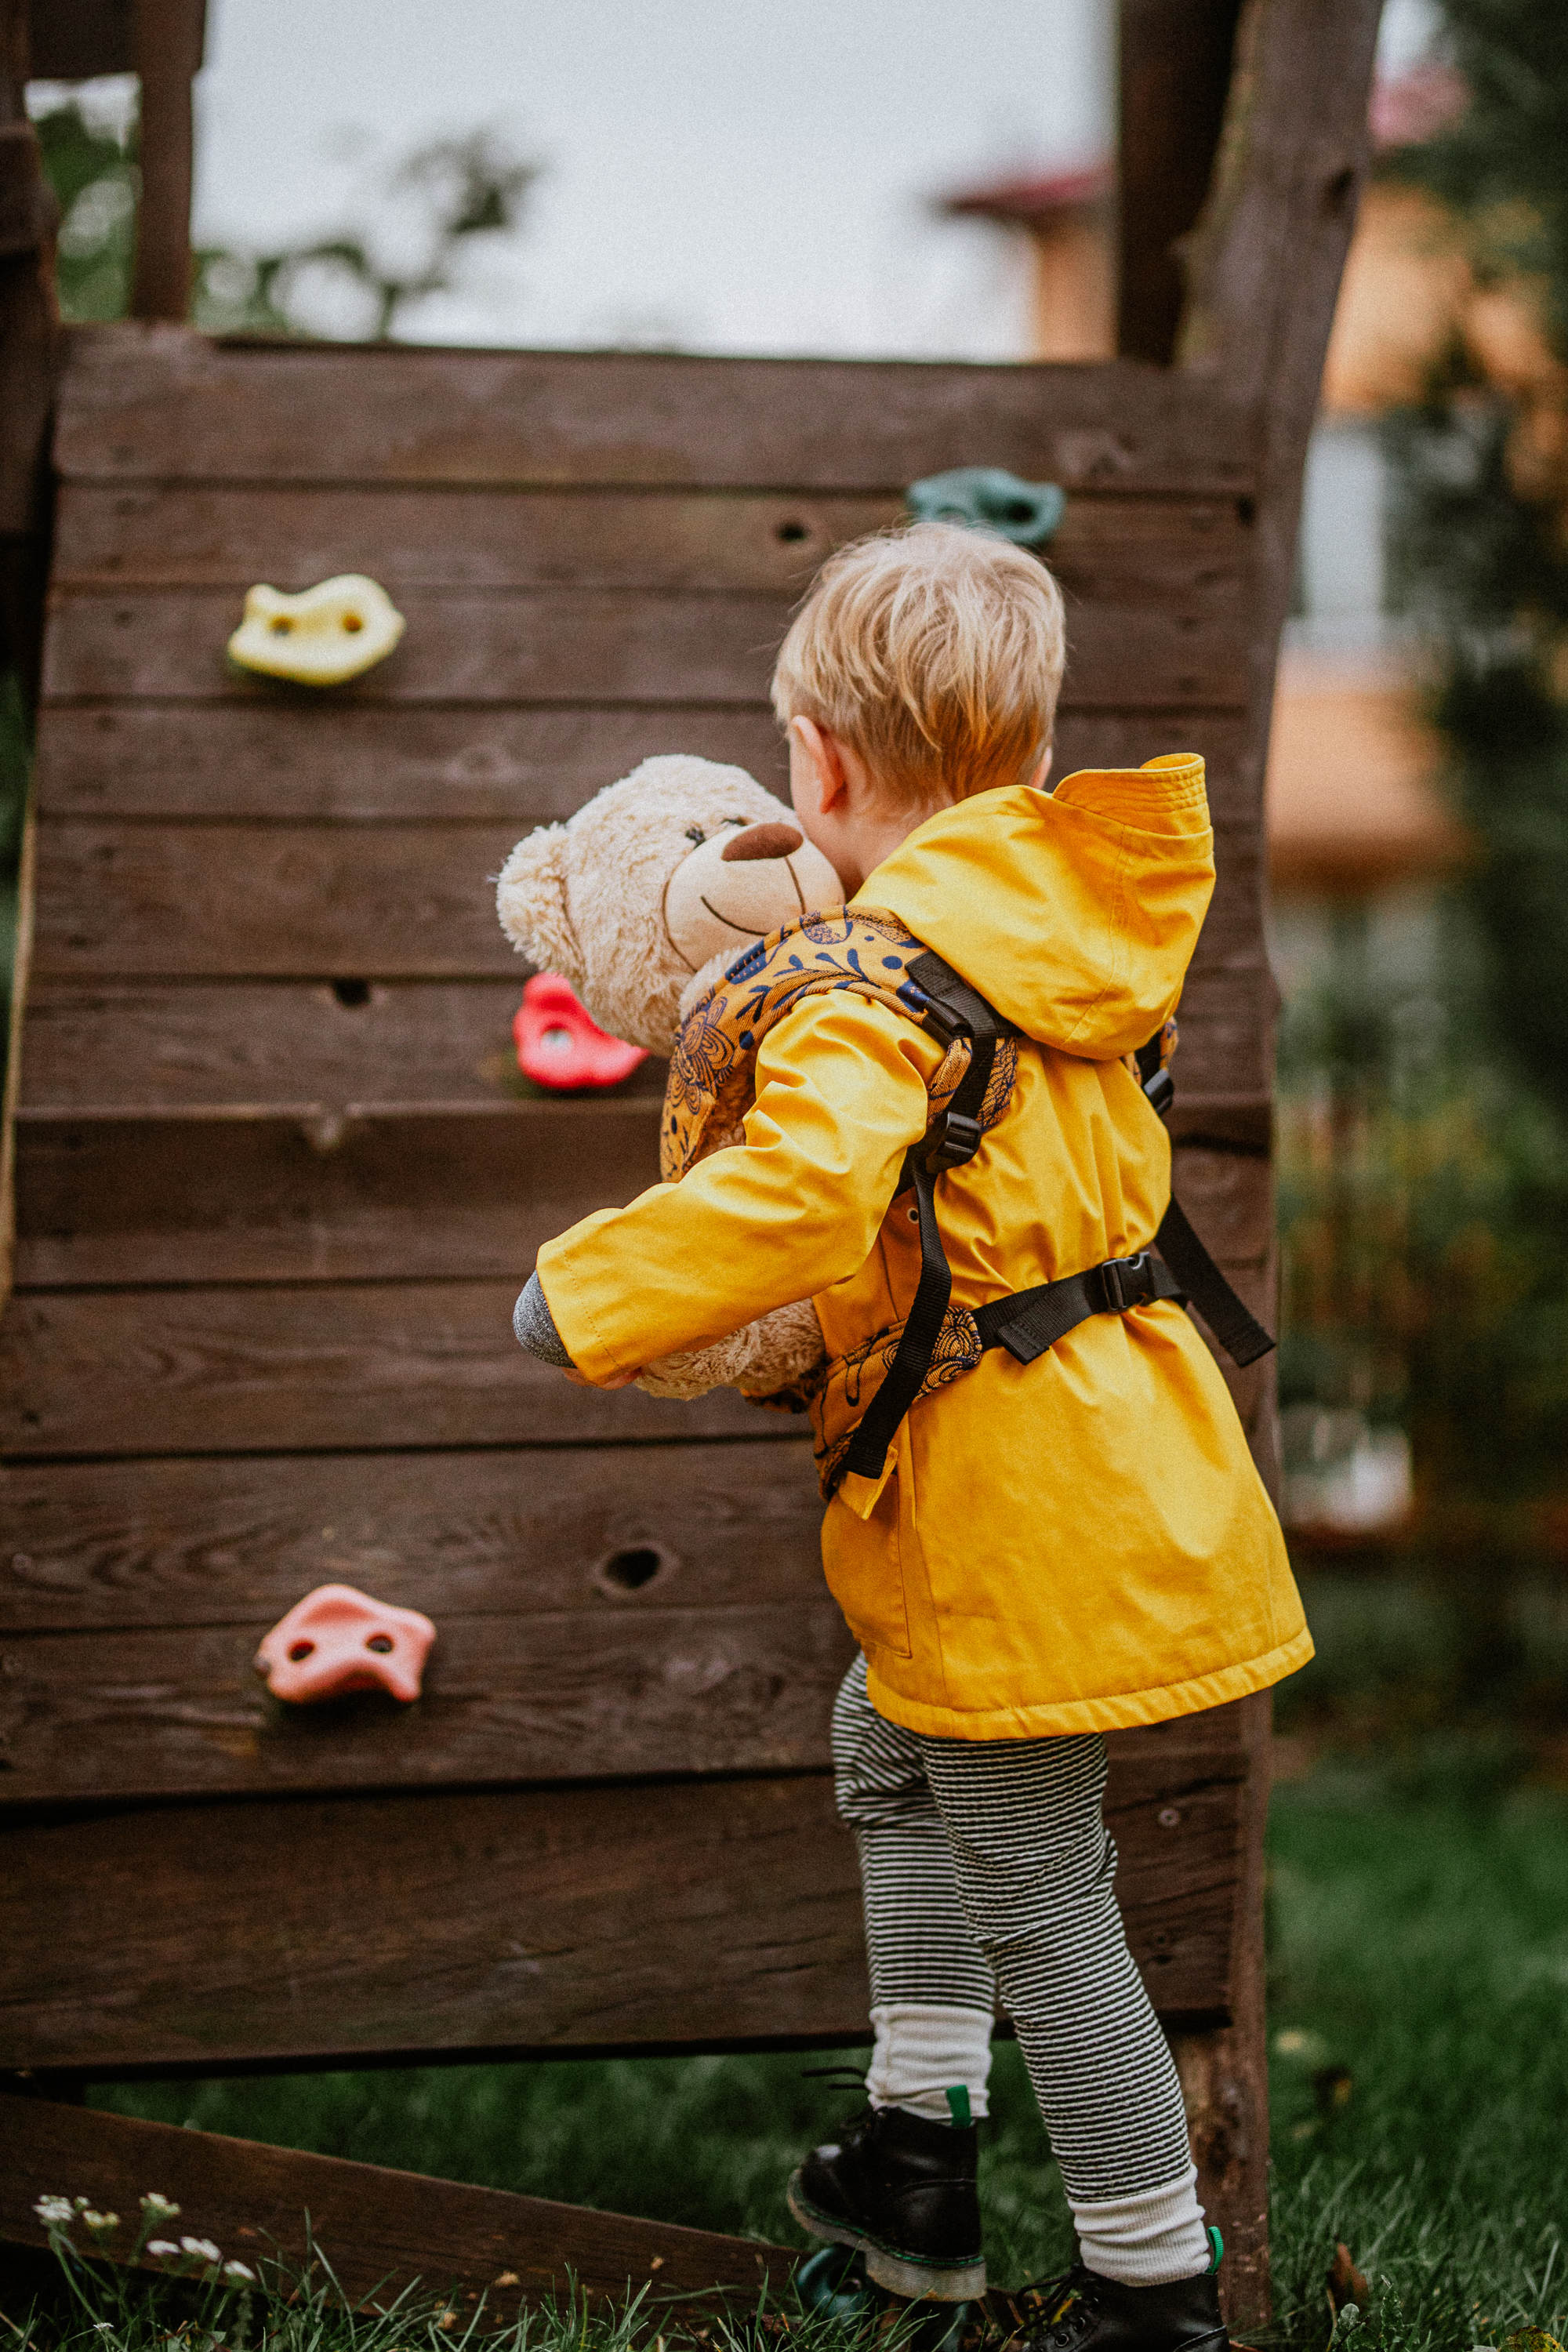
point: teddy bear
(640, 900)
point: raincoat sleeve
(841, 1094)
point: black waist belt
(1030, 1321)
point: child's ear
(531, 900)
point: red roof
(1035, 195)
(1405, 111)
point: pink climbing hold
(559, 1045)
(337, 1639)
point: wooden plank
(520, 1696)
(129, 1047)
(357, 902)
(165, 403)
(583, 645)
(427, 1193)
(433, 1195)
(109, 1045)
(417, 1364)
(167, 535)
(708, 1912)
(380, 2231)
(484, 765)
(525, 1695)
(107, 1547)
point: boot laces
(1055, 2314)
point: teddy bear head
(675, 868)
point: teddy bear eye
(695, 833)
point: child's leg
(1036, 1871)
(933, 1991)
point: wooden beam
(377, 2229)
(165, 403)
(1265, 263)
(73, 40)
(169, 41)
(204, 1938)
(29, 355)
(1175, 58)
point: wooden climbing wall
(276, 1191)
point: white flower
(158, 2209)
(163, 2247)
(238, 2270)
(202, 2246)
(103, 2222)
(50, 2210)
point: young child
(1052, 1548)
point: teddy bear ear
(531, 900)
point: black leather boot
(1082, 2312)
(903, 2189)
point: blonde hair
(936, 653)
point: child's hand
(621, 1381)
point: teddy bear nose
(760, 841)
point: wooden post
(1176, 60)
(72, 43)
(1263, 267)
(29, 353)
(169, 42)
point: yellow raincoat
(1071, 1545)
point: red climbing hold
(337, 1639)
(559, 1045)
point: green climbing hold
(988, 499)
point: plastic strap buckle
(1161, 1090)
(1123, 1282)
(950, 1141)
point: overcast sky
(742, 175)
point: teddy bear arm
(770, 1354)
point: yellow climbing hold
(322, 636)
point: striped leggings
(987, 1870)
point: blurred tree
(1481, 523)
(1425, 1137)
(361, 284)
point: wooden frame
(241, 1108)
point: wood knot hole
(632, 1569)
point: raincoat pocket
(865, 1569)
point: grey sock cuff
(533, 1327)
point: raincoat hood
(1075, 912)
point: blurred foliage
(1424, 1223)
(1424, 1129)
(359, 284)
(92, 170)
(1480, 537)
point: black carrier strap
(1028, 1321)
(950, 1008)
